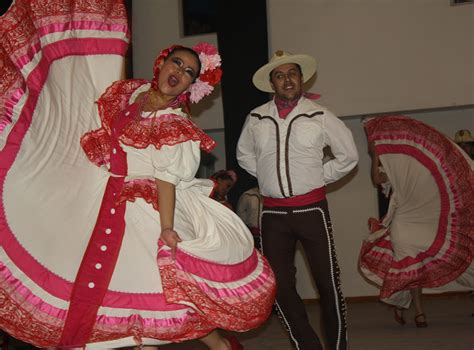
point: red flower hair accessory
(210, 74)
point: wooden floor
(371, 327)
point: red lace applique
(231, 313)
(142, 132)
(115, 99)
(10, 83)
(193, 327)
(96, 145)
(23, 321)
(167, 129)
(142, 188)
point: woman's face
(177, 72)
(223, 186)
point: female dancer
(224, 180)
(82, 211)
(426, 239)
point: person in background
(282, 145)
(425, 238)
(380, 179)
(224, 180)
(4, 340)
(465, 140)
(249, 209)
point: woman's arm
(378, 177)
(166, 204)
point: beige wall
(345, 36)
(381, 55)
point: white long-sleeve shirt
(249, 207)
(286, 155)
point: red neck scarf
(285, 107)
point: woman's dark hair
(223, 175)
(192, 52)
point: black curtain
(4, 5)
(243, 45)
(129, 55)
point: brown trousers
(282, 227)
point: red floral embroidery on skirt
(232, 312)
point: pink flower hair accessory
(210, 73)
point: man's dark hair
(297, 65)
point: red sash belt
(98, 262)
(314, 196)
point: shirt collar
(284, 107)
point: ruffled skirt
(426, 238)
(57, 58)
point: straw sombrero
(463, 136)
(261, 78)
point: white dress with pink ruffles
(80, 262)
(426, 239)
